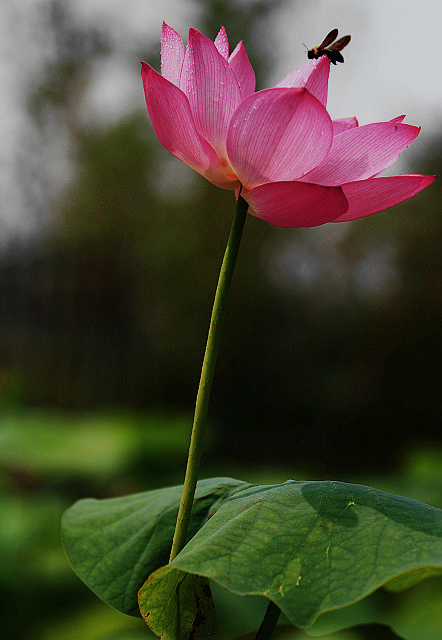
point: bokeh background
(109, 256)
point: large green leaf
(177, 605)
(312, 547)
(115, 544)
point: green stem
(207, 371)
(269, 623)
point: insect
(326, 48)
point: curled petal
(397, 119)
(312, 76)
(278, 134)
(212, 90)
(243, 70)
(343, 124)
(376, 194)
(172, 54)
(172, 120)
(362, 152)
(296, 204)
(222, 43)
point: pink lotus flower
(295, 165)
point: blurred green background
(330, 358)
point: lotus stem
(207, 372)
(269, 622)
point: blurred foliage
(331, 332)
(60, 448)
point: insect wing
(340, 44)
(328, 39)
